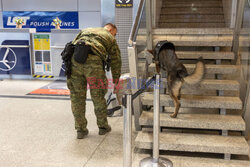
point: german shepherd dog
(177, 75)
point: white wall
(89, 13)
(108, 11)
(39, 5)
(89, 19)
(89, 5)
(229, 9)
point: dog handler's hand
(115, 89)
(117, 86)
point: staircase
(209, 123)
(192, 14)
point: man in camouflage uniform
(103, 43)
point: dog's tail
(198, 73)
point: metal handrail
(14, 46)
(140, 91)
(248, 3)
(57, 47)
(136, 23)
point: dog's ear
(151, 51)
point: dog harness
(160, 45)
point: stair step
(205, 55)
(210, 68)
(212, 84)
(194, 16)
(187, 20)
(191, 25)
(195, 143)
(187, 161)
(193, 1)
(180, 40)
(195, 101)
(191, 31)
(190, 4)
(208, 55)
(194, 37)
(196, 121)
(189, 11)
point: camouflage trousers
(90, 72)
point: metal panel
(89, 19)
(14, 34)
(123, 21)
(61, 37)
(89, 5)
(39, 5)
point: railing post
(156, 128)
(149, 25)
(154, 13)
(238, 26)
(127, 131)
(156, 161)
(133, 62)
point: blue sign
(42, 21)
(15, 60)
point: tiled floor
(40, 133)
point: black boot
(81, 134)
(103, 131)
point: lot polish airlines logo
(8, 60)
(11, 21)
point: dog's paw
(173, 115)
(179, 97)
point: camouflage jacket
(103, 44)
